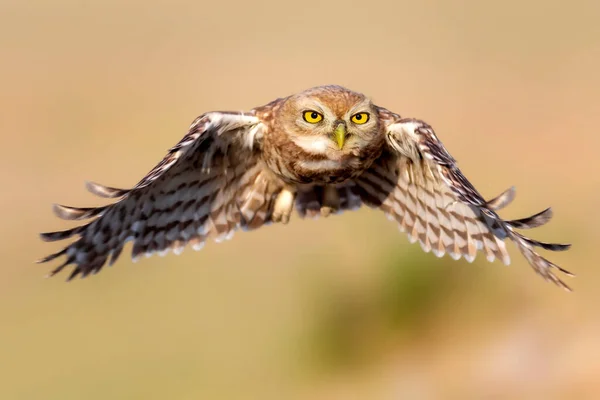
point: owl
(322, 151)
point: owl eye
(312, 117)
(360, 118)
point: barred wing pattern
(419, 185)
(209, 184)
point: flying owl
(322, 151)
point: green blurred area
(338, 308)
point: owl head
(330, 119)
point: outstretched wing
(209, 184)
(417, 183)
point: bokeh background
(341, 308)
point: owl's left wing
(208, 185)
(418, 183)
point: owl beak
(339, 134)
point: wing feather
(208, 185)
(435, 203)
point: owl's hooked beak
(339, 134)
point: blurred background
(341, 308)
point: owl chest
(295, 164)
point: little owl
(323, 151)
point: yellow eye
(360, 118)
(312, 117)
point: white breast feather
(321, 165)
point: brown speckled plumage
(245, 170)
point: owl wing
(209, 184)
(417, 183)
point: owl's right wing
(209, 184)
(417, 183)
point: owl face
(330, 120)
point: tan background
(99, 90)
